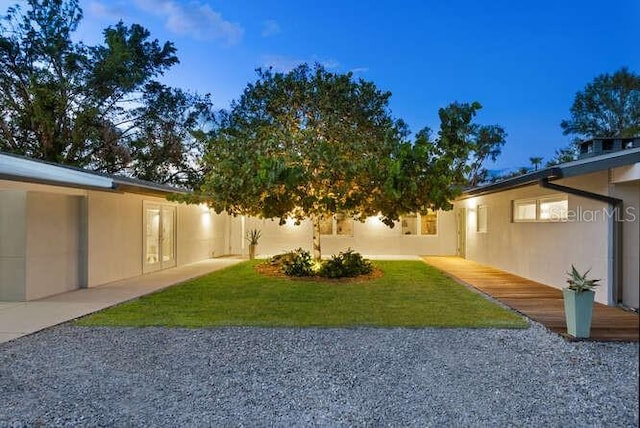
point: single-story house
(63, 228)
(584, 213)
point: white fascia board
(16, 168)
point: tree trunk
(317, 255)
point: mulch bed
(267, 269)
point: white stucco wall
(53, 244)
(13, 205)
(371, 237)
(543, 251)
(629, 192)
(115, 234)
(39, 240)
(201, 233)
(55, 238)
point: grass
(410, 294)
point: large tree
(98, 107)
(429, 172)
(607, 107)
(483, 141)
(310, 143)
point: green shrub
(345, 264)
(355, 264)
(332, 268)
(296, 263)
(299, 263)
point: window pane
(524, 210)
(409, 224)
(482, 219)
(429, 223)
(344, 224)
(168, 231)
(326, 226)
(554, 209)
(152, 250)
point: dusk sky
(523, 61)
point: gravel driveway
(70, 376)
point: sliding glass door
(159, 237)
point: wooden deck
(537, 301)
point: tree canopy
(428, 173)
(305, 143)
(310, 143)
(98, 107)
(609, 106)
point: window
(344, 224)
(481, 226)
(524, 210)
(341, 223)
(552, 208)
(326, 226)
(429, 223)
(409, 224)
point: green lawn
(410, 294)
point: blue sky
(522, 60)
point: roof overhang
(569, 169)
(124, 184)
(16, 168)
(21, 169)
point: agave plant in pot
(253, 236)
(578, 302)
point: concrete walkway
(21, 318)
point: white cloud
(358, 70)
(281, 63)
(100, 10)
(195, 19)
(270, 27)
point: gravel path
(70, 376)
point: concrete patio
(22, 318)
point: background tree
(167, 138)
(563, 155)
(536, 161)
(607, 107)
(92, 106)
(484, 141)
(310, 143)
(430, 172)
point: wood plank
(539, 302)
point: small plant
(332, 268)
(252, 236)
(345, 264)
(579, 282)
(296, 263)
(355, 264)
